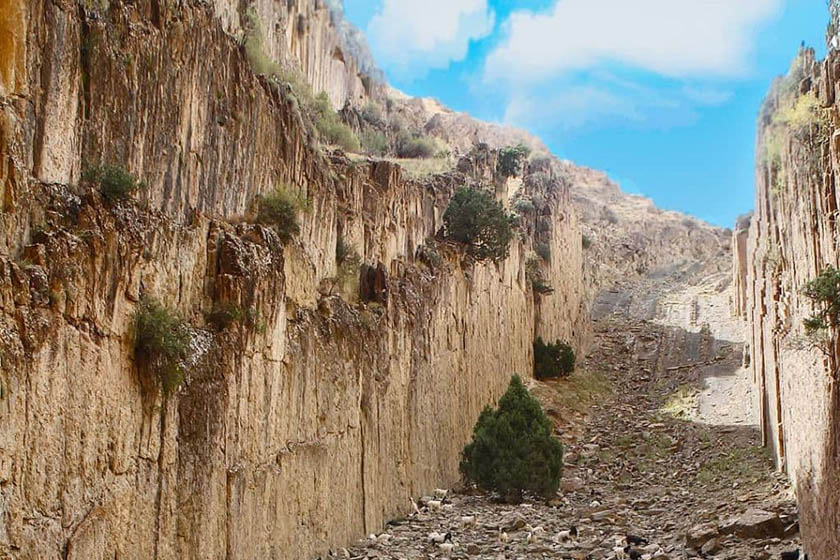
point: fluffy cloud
(411, 37)
(675, 38)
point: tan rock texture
(792, 237)
(303, 428)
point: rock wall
(793, 235)
(307, 425)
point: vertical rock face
(304, 426)
(794, 235)
(739, 265)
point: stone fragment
(698, 535)
(755, 524)
(512, 522)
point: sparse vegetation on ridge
(316, 108)
(511, 159)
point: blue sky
(661, 94)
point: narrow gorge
(335, 371)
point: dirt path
(651, 457)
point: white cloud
(675, 38)
(410, 37)
(596, 102)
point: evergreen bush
(513, 451)
(553, 360)
(476, 219)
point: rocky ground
(650, 451)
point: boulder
(699, 535)
(512, 522)
(755, 524)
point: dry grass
(419, 168)
(580, 390)
(681, 402)
(744, 464)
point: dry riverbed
(640, 459)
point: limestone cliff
(302, 429)
(793, 235)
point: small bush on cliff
(512, 450)
(476, 219)
(824, 291)
(543, 250)
(348, 261)
(278, 209)
(553, 360)
(534, 275)
(114, 182)
(225, 314)
(414, 147)
(511, 159)
(161, 343)
(372, 113)
(374, 142)
(330, 128)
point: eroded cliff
(306, 426)
(792, 237)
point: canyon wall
(792, 237)
(312, 422)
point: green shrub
(161, 342)
(534, 275)
(114, 182)
(336, 133)
(553, 360)
(415, 147)
(348, 261)
(824, 291)
(372, 113)
(585, 242)
(543, 250)
(524, 205)
(374, 142)
(512, 450)
(278, 209)
(225, 314)
(476, 219)
(511, 159)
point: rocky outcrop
(793, 235)
(626, 236)
(303, 427)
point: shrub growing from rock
(278, 209)
(476, 219)
(114, 182)
(161, 343)
(512, 451)
(553, 360)
(824, 291)
(330, 128)
(374, 142)
(511, 159)
(534, 275)
(415, 147)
